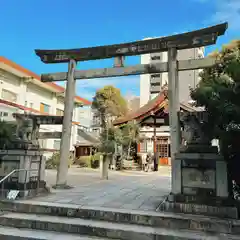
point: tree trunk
(129, 149)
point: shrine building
(154, 126)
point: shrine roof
(144, 111)
(159, 102)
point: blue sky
(48, 24)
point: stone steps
(101, 228)
(11, 233)
(145, 218)
(131, 165)
(114, 223)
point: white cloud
(228, 10)
(87, 88)
(225, 11)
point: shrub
(53, 161)
(84, 161)
(95, 160)
(91, 161)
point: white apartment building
(150, 84)
(21, 90)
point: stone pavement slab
(123, 190)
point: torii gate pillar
(174, 108)
(61, 181)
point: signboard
(195, 178)
(12, 194)
(203, 37)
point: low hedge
(83, 161)
(53, 161)
(91, 161)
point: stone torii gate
(194, 39)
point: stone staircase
(38, 220)
(131, 165)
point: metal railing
(3, 180)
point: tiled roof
(145, 110)
(35, 76)
(152, 106)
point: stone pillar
(104, 163)
(42, 169)
(66, 127)
(221, 179)
(174, 108)
(25, 163)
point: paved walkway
(125, 190)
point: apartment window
(3, 114)
(59, 112)
(44, 108)
(56, 144)
(155, 75)
(155, 57)
(9, 96)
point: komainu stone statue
(27, 131)
(194, 128)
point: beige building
(22, 91)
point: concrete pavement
(124, 190)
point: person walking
(155, 159)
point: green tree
(108, 140)
(130, 136)
(7, 131)
(108, 102)
(219, 92)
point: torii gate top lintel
(197, 38)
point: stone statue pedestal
(23, 145)
(202, 184)
(29, 177)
